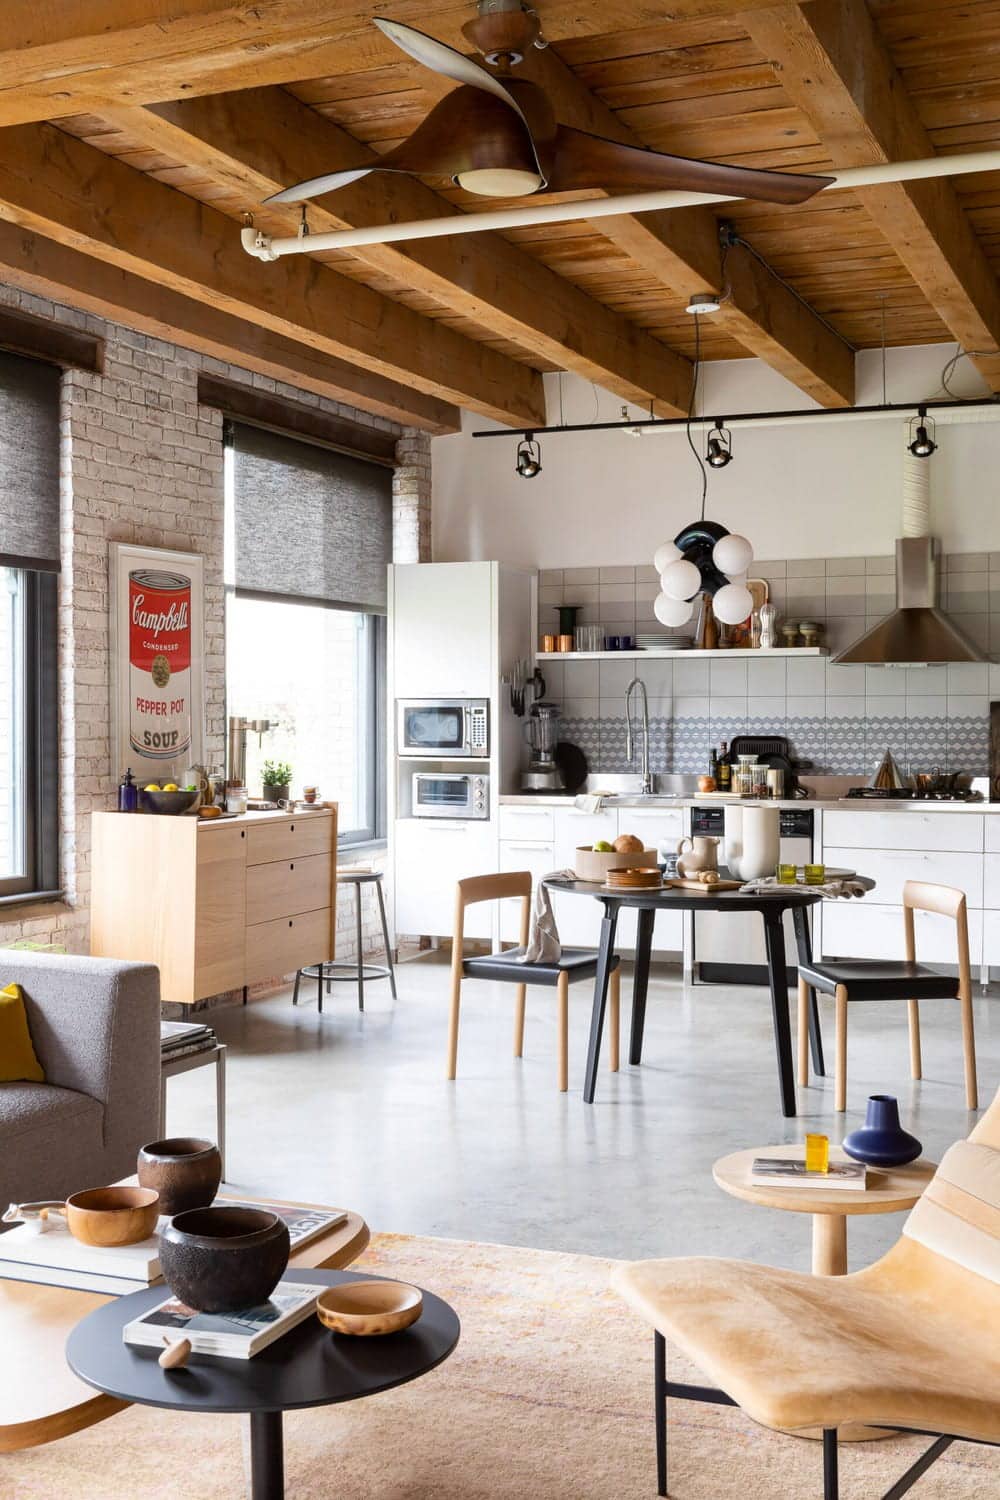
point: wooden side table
(890, 1190)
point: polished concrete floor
(354, 1109)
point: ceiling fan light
(499, 182)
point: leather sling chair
(911, 1342)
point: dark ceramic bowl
(224, 1259)
(169, 802)
(185, 1171)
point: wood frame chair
(896, 979)
(573, 965)
(908, 1344)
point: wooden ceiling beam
(835, 68)
(69, 191)
(681, 249)
(46, 269)
(502, 288)
(63, 58)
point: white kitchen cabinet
(431, 855)
(891, 868)
(443, 631)
(992, 833)
(866, 929)
(537, 823)
(991, 881)
(903, 829)
(656, 826)
(579, 917)
(991, 938)
(522, 854)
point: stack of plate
(664, 642)
(625, 879)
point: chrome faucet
(647, 780)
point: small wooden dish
(636, 879)
(368, 1308)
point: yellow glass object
(815, 874)
(817, 1153)
(786, 874)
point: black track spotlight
(922, 443)
(529, 457)
(719, 451)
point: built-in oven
(729, 946)
(450, 794)
(443, 728)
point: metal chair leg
(295, 991)
(831, 1483)
(660, 1415)
(361, 951)
(220, 1106)
(385, 937)
(319, 988)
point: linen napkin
(589, 802)
(544, 946)
(850, 885)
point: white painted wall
(828, 488)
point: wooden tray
(699, 885)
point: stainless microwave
(443, 728)
(450, 794)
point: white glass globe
(681, 579)
(732, 555)
(672, 611)
(732, 604)
(665, 555)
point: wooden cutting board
(699, 885)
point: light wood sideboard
(214, 904)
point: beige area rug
(547, 1395)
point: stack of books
(229, 1335)
(178, 1038)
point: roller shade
(29, 463)
(309, 522)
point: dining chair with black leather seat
(864, 979)
(507, 967)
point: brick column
(411, 499)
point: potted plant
(277, 776)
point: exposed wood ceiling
(140, 131)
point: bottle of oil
(725, 775)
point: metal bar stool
(338, 971)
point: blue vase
(882, 1141)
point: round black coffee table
(308, 1367)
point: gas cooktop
(904, 794)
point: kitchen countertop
(842, 804)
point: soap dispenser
(128, 793)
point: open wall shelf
(682, 655)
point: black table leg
(803, 940)
(774, 938)
(640, 981)
(267, 1459)
(605, 954)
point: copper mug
(565, 643)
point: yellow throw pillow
(18, 1063)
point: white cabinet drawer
(862, 929)
(521, 854)
(429, 856)
(992, 821)
(526, 822)
(991, 881)
(903, 829)
(889, 868)
(656, 826)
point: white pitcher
(703, 855)
(753, 841)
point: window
(315, 674)
(29, 563)
(29, 852)
(309, 537)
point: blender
(541, 730)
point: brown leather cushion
(578, 963)
(879, 979)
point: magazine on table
(784, 1171)
(238, 1335)
(304, 1224)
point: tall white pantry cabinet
(454, 629)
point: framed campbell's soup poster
(157, 661)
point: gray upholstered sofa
(95, 1025)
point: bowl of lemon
(169, 798)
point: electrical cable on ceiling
(691, 412)
(959, 355)
(729, 237)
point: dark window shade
(29, 463)
(311, 523)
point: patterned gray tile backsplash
(841, 718)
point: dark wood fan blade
(590, 161)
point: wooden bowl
(112, 1215)
(367, 1308)
(590, 866)
(631, 879)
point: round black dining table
(771, 904)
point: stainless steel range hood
(917, 632)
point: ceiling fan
(496, 135)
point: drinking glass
(815, 874)
(786, 874)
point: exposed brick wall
(141, 461)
